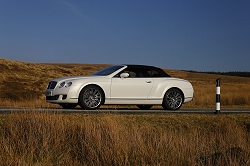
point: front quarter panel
(74, 90)
(103, 83)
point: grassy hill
(23, 84)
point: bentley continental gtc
(140, 85)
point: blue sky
(201, 35)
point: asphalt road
(130, 111)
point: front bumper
(63, 95)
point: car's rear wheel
(173, 99)
(68, 106)
(91, 97)
(144, 107)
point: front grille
(52, 85)
(52, 97)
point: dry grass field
(44, 139)
(49, 138)
(23, 84)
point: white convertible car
(139, 85)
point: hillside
(22, 82)
(230, 73)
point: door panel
(131, 88)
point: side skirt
(133, 101)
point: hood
(74, 78)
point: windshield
(107, 71)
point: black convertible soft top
(148, 68)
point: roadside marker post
(217, 111)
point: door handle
(148, 81)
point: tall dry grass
(36, 138)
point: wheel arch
(174, 88)
(104, 95)
(166, 105)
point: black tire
(91, 97)
(68, 106)
(173, 99)
(144, 107)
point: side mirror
(124, 75)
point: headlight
(68, 84)
(64, 84)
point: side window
(140, 73)
(144, 73)
(131, 73)
(137, 73)
(153, 73)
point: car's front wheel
(91, 97)
(173, 99)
